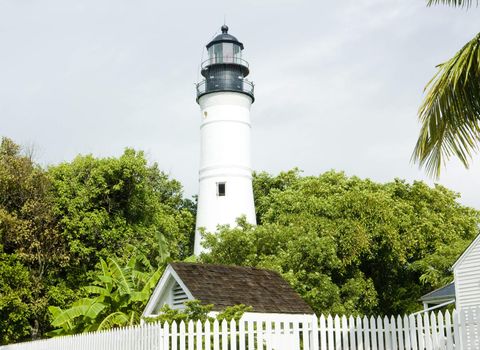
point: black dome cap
(224, 38)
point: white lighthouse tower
(225, 97)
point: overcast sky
(338, 83)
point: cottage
(465, 289)
(466, 272)
(265, 291)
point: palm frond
(114, 319)
(450, 112)
(96, 290)
(121, 276)
(152, 281)
(84, 307)
(454, 3)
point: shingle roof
(441, 294)
(222, 286)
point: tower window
(221, 189)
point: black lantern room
(225, 70)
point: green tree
(117, 298)
(450, 112)
(15, 299)
(105, 204)
(56, 225)
(349, 245)
(30, 245)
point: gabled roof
(440, 295)
(466, 252)
(221, 285)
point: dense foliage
(118, 295)
(56, 225)
(86, 240)
(196, 311)
(349, 245)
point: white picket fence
(459, 331)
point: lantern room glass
(224, 53)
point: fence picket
(393, 330)
(314, 340)
(386, 327)
(448, 331)
(182, 336)
(351, 326)
(344, 333)
(441, 332)
(251, 335)
(433, 327)
(199, 336)
(366, 333)
(330, 335)
(413, 332)
(296, 336)
(373, 332)
(259, 326)
(268, 335)
(224, 326)
(233, 335)
(323, 333)
(406, 332)
(241, 336)
(359, 333)
(380, 333)
(401, 344)
(305, 335)
(338, 339)
(427, 331)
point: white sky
(338, 83)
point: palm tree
(450, 112)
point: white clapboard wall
(467, 276)
(428, 331)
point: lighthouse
(225, 175)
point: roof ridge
(224, 265)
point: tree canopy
(86, 239)
(349, 245)
(58, 223)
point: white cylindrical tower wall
(225, 159)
